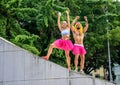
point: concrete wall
(20, 67)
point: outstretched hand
(77, 17)
(59, 13)
(67, 12)
(85, 17)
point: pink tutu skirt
(78, 49)
(63, 44)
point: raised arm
(59, 25)
(68, 19)
(86, 25)
(73, 22)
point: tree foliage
(32, 24)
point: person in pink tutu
(64, 43)
(78, 49)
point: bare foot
(69, 68)
(45, 57)
(82, 72)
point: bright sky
(118, 0)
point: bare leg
(68, 59)
(82, 57)
(49, 51)
(76, 62)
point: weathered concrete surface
(20, 67)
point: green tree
(20, 20)
(12, 13)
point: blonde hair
(81, 27)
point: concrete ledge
(20, 67)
